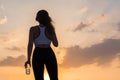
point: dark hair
(44, 18)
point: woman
(42, 36)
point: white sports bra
(42, 38)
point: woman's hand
(27, 63)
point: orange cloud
(11, 61)
(12, 41)
(14, 48)
(102, 54)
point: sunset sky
(88, 32)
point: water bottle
(28, 69)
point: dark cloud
(101, 54)
(80, 26)
(11, 61)
(118, 25)
(83, 25)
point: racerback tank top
(42, 38)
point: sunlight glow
(46, 77)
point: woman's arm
(30, 43)
(29, 47)
(55, 41)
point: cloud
(118, 25)
(11, 61)
(14, 48)
(102, 54)
(82, 26)
(103, 17)
(11, 42)
(2, 7)
(83, 10)
(98, 20)
(3, 19)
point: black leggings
(41, 57)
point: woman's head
(43, 17)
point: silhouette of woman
(42, 36)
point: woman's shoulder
(32, 28)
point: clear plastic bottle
(28, 69)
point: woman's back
(42, 38)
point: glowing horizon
(87, 30)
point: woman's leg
(51, 64)
(38, 65)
